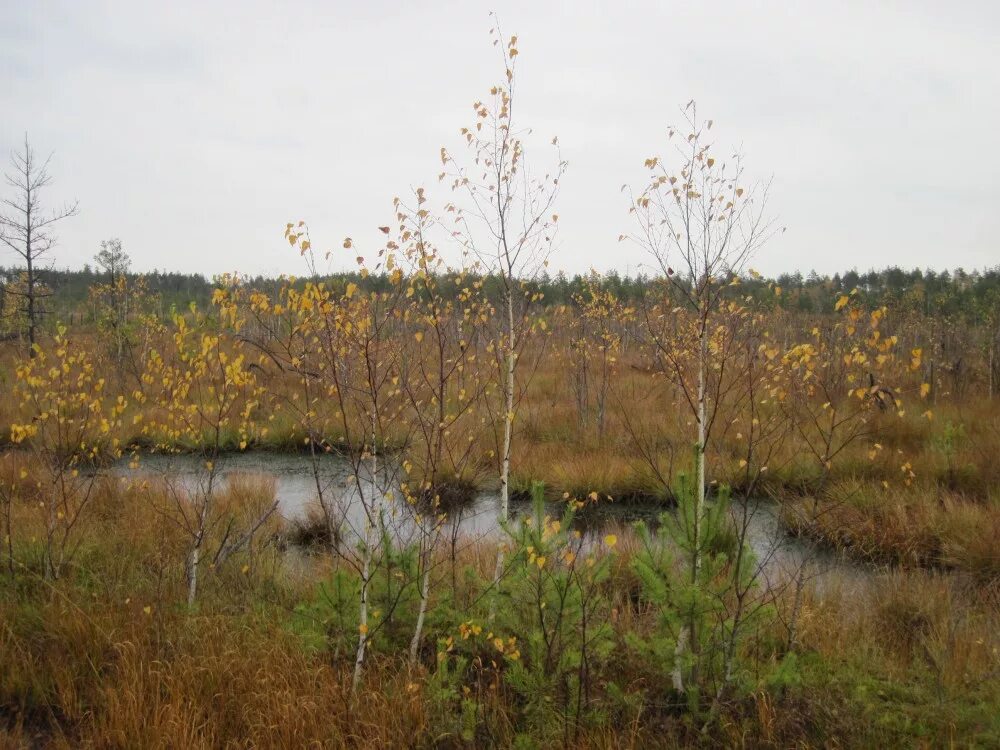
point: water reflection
(299, 482)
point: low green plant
(690, 570)
(555, 617)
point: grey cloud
(194, 131)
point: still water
(299, 483)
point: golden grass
(906, 619)
(947, 516)
(920, 525)
(107, 657)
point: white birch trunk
(677, 675)
(508, 431)
(508, 428)
(702, 436)
(418, 630)
(194, 559)
(366, 563)
(359, 657)
(687, 638)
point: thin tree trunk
(199, 538)
(727, 680)
(509, 415)
(50, 532)
(508, 430)
(193, 560)
(418, 630)
(702, 430)
(228, 550)
(800, 585)
(359, 658)
(699, 510)
(678, 674)
(195, 555)
(31, 297)
(29, 262)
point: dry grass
(106, 657)
(921, 525)
(933, 623)
(947, 516)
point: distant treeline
(972, 296)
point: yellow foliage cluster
(64, 407)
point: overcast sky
(194, 131)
